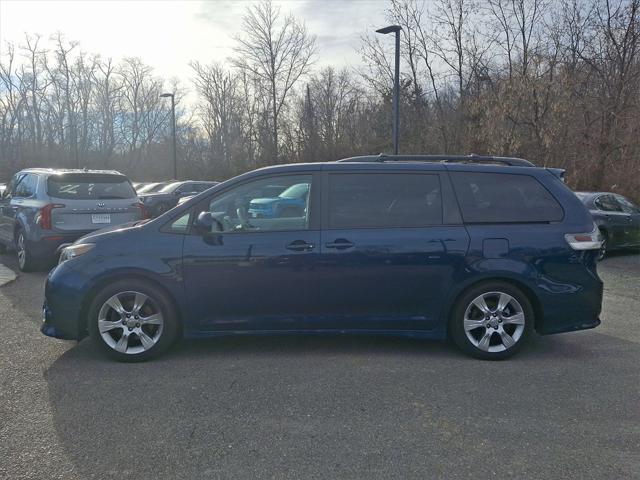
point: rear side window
(26, 187)
(504, 198)
(76, 186)
(369, 200)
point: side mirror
(207, 223)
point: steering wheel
(243, 216)
(226, 224)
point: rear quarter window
(504, 198)
(90, 187)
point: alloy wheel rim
(494, 322)
(130, 322)
(22, 254)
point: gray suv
(42, 209)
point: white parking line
(6, 275)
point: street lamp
(396, 84)
(173, 130)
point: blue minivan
(483, 250)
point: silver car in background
(42, 209)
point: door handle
(300, 246)
(340, 244)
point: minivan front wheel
(492, 321)
(132, 321)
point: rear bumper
(48, 246)
(569, 312)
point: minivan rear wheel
(132, 321)
(492, 321)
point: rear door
(90, 201)
(390, 248)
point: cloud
(169, 34)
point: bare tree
(275, 50)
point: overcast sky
(167, 34)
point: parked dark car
(617, 218)
(167, 197)
(485, 250)
(44, 208)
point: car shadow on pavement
(338, 406)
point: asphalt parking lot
(568, 406)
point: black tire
(498, 326)
(27, 261)
(602, 253)
(158, 301)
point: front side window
(253, 207)
(504, 198)
(627, 206)
(372, 200)
(81, 186)
(181, 224)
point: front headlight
(74, 251)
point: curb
(6, 275)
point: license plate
(101, 218)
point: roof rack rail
(473, 158)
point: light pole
(173, 131)
(396, 84)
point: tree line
(554, 81)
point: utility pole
(173, 131)
(396, 84)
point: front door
(255, 269)
(617, 222)
(388, 260)
(632, 221)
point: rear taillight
(144, 213)
(43, 219)
(585, 241)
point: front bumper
(51, 330)
(62, 310)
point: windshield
(81, 186)
(295, 191)
(170, 188)
(152, 187)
